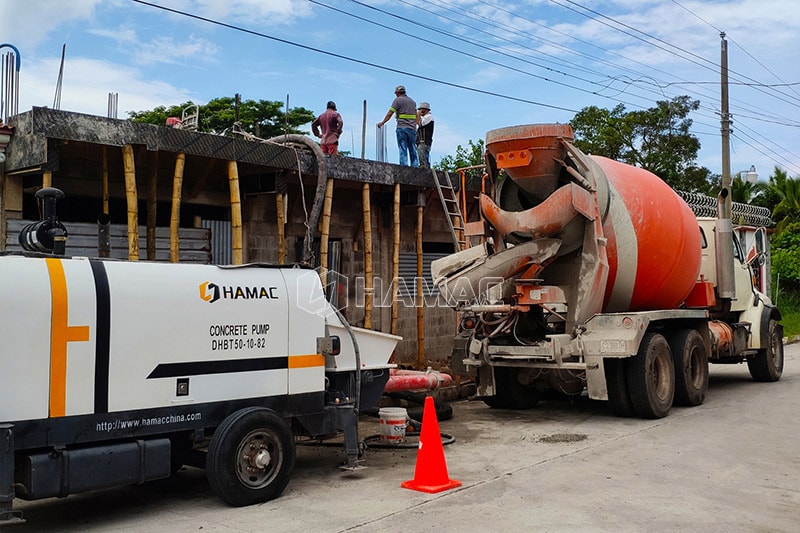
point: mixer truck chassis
(596, 276)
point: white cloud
(168, 50)
(27, 23)
(87, 83)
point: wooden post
(152, 206)
(133, 200)
(236, 212)
(105, 180)
(364, 130)
(368, 287)
(47, 179)
(395, 256)
(279, 207)
(175, 214)
(420, 300)
(324, 233)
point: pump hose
(319, 194)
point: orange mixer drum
(654, 248)
(653, 240)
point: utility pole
(724, 227)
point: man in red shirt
(331, 124)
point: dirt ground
(730, 464)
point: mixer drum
(653, 239)
(654, 245)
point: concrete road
(731, 464)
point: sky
(481, 64)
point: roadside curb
(791, 340)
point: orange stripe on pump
(60, 334)
(306, 361)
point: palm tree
(788, 208)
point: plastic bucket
(393, 424)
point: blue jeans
(407, 144)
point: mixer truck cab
(119, 372)
(596, 277)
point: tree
(785, 248)
(788, 209)
(656, 139)
(261, 118)
(470, 156)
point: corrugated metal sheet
(221, 241)
(408, 273)
(82, 241)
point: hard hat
(400, 89)
(331, 104)
(424, 105)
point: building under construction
(158, 193)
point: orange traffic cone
(430, 474)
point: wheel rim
(259, 458)
(660, 377)
(776, 344)
(695, 368)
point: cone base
(431, 489)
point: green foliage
(261, 118)
(785, 247)
(789, 304)
(656, 139)
(470, 156)
(787, 212)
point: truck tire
(510, 393)
(691, 367)
(619, 399)
(250, 457)
(651, 377)
(767, 364)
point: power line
(352, 59)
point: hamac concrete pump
(118, 372)
(599, 277)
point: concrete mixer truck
(596, 276)
(119, 372)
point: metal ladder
(451, 207)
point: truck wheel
(651, 377)
(250, 457)
(510, 393)
(619, 399)
(691, 367)
(767, 364)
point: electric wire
(352, 59)
(607, 83)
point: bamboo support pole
(175, 214)
(281, 209)
(368, 287)
(420, 297)
(236, 212)
(105, 180)
(133, 200)
(395, 256)
(324, 232)
(47, 179)
(152, 208)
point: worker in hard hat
(424, 134)
(406, 110)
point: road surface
(730, 464)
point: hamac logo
(209, 292)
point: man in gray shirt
(406, 110)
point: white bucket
(393, 424)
